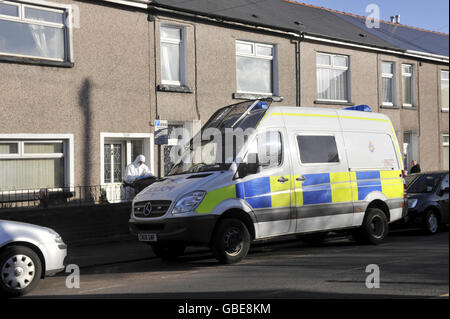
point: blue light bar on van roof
(261, 106)
(362, 108)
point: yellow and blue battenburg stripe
(322, 188)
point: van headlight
(188, 202)
(412, 202)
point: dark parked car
(428, 200)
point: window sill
(323, 102)
(35, 61)
(444, 111)
(392, 107)
(413, 108)
(251, 96)
(174, 88)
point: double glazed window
(32, 164)
(33, 31)
(444, 90)
(332, 77)
(388, 83)
(408, 83)
(255, 68)
(172, 55)
(317, 149)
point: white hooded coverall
(135, 171)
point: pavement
(411, 266)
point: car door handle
(283, 180)
(301, 179)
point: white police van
(299, 171)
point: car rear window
(424, 183)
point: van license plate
(147, 237)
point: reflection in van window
(270, 151)
(318, 149)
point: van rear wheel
(374, 229)
(231, 242)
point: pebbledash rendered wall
(113, 85)
(107, 89)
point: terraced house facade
(81, 82)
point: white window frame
(255, 55)
(389, 76)
(411, 75)
(442, 81)
(444, 143)
(45, 6)
(124, 145)
(182, 53)
(106, 137)
(335, 67)
(68, 153)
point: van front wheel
(374, 229)
(231, 241)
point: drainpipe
(298, 76)
(297, 71)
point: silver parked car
(27, 254)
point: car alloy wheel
(433, 223)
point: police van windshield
(221, 139)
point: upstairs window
(388, 83)
(255, 68)
(34, 31)
(408, 82)
(444, 90)
(332, 77)
(172, 55)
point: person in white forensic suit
(135, 171)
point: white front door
(113, 169)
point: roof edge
(364, 18)
(408, 53)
